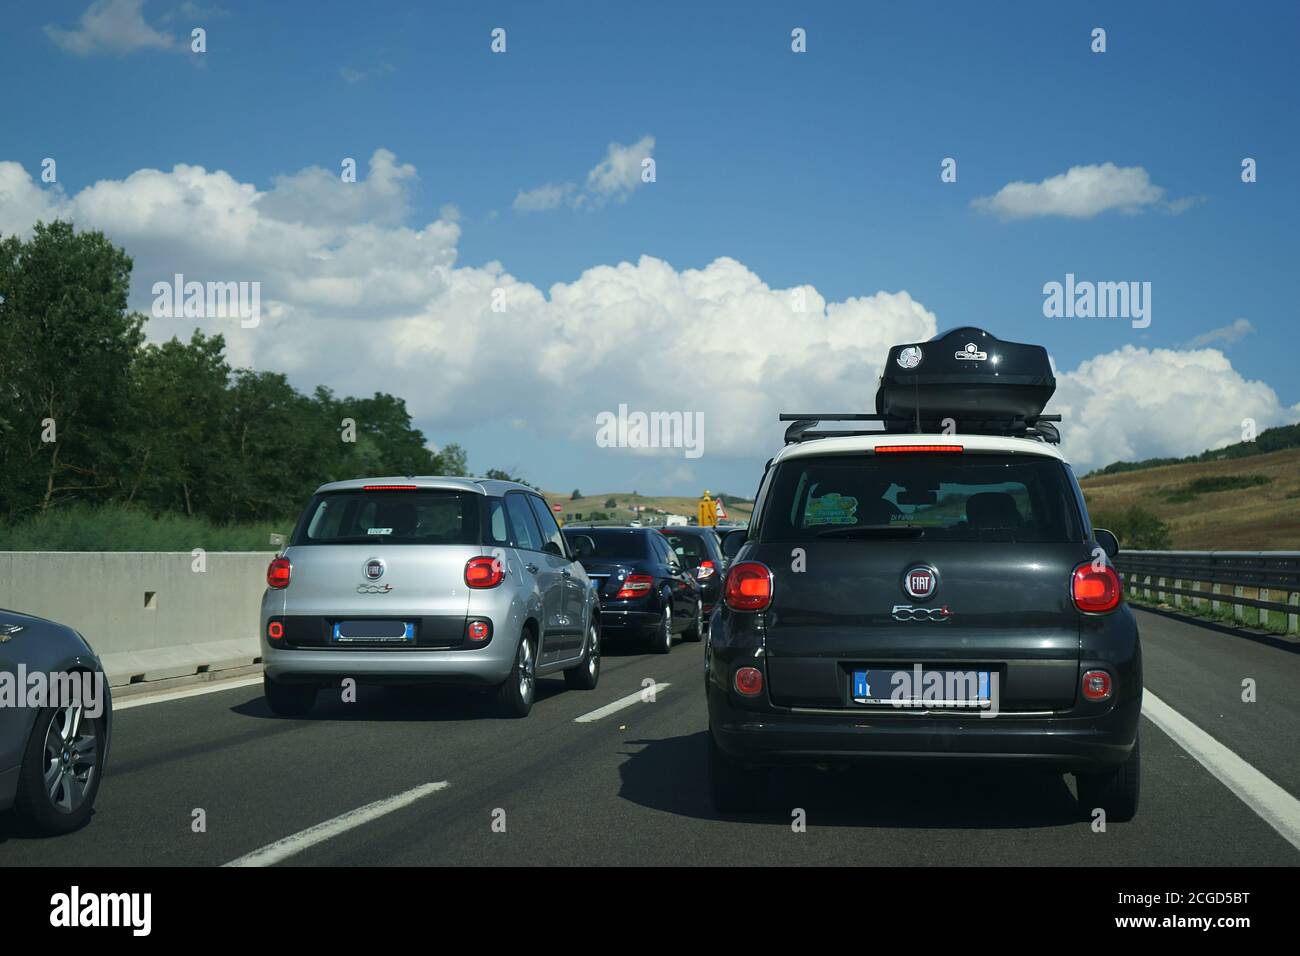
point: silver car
(437, 580)
(56, 713)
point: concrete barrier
(150, 615)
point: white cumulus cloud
(111, 26)
(1080, 193)
(615, 177)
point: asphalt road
(628, 788)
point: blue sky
(819, 168)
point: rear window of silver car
(425, 516)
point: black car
(920, 592)
(645, 589)
(700, 550)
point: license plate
(374, 632)
(921, 687)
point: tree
(576, 495)
(67, 345)
(611, 503)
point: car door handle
(532, 568)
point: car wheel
(696, 631)
(515, 695)
(734, 788)
(61, 769)
(661, 642)
(288, 700)
(586, 674)
(1116, 792)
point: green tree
(576, 495)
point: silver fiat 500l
(427, 580)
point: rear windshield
(612, 542)
(930, 497)
(691, 548)
(391, 517)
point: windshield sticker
(379, 531)
(831, 509)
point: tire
(61, 770)
(732, 787)
(515, 695)
(586, 674)
(288, 700)
(695, 632)
(1116, 791)
(661, 639)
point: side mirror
(583, 546)
(732, 542)
(1107, 541)
(552, 547)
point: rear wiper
(854, 531)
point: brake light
(748, 586)
(1095, 591)
(275, 630)
(1096, 685)
(919, 449)
(634, 586)
(705, 570)
(277, 574)
(390, 488)
(749, 681)
(484, 572)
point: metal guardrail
(1266, 573)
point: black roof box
(965, 374)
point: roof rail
(803, 426)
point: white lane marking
(213, 688)
(633, 698)
(280, 850)
(1274, 804)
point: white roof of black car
(478, 486)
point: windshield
(427, 516)
(612, 543)
(931, 497)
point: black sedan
(645, 588)
(700, 550)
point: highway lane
(628, 788)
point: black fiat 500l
(645, 588)
(908, 593)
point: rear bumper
(775, 736)
(616, 621)
(488, 666)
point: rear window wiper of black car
(902, 532)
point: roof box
(965, 374)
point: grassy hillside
(1245, 504)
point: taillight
(749, 586)
(275, 630)
(277, 573)
(1095, 591)
(705, 570)
(390, 487)
(478, 631)
(634, 586)
(484, 572)
(1096, 685)
(919, 449)
(749, 681)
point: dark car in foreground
(54, 746)
(908, 595)
(645, 589)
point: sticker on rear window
(831, 509)
(379, 531)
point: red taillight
(277, 573)
(749, 681)
(478, 630)
(1095, 591)
(1096, 685)
(749, 586)
(390, 487)
(634, 586)
(484, 572)
(705, 570)
(919, 449)
(275, 630)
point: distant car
(700, 550)
(645, 588)
(52, 758)
(427, 580)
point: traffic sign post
(707, 511)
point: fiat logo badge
(374, 568)
(920, 582)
